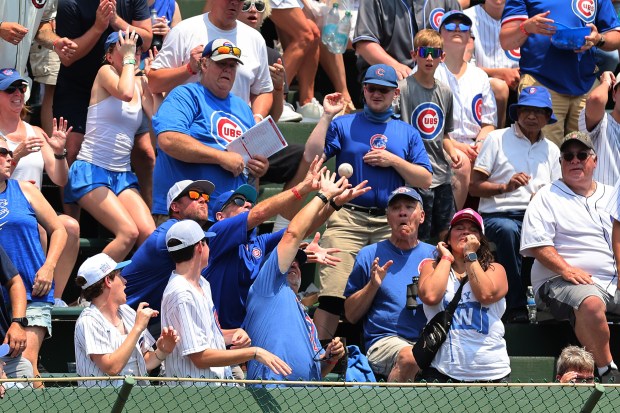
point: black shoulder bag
(435, 332)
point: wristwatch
(61, 156)
(601, 42)
(471, 256)
(22, 321)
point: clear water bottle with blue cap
(531, 305)
(341, 39)
(330, 26)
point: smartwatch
(471, 257)
(22, 321)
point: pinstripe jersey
(606, 139)
(487, 50)
(193, 315)
(94, 334)
(614, 205)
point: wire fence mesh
(65, 394)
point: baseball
(345, 169)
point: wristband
(448, 258)
(190, 70)
(522, 28)
(259, 116)
(54, 44)
(255, 353)
(322, 197)
(63, 155)
(157, 357)
(129, 62)
(296, 193)
(333, 205)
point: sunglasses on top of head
(451, 27)
(425, 51)
(11, 89)
(235, 51)
(247, 5)
(581, 156)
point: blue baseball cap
(247, 191)
(8, 76)
(406, 191)
(533, 96)
(453, 15)
(113, 39)
(382, 74)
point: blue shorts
(39, 314)
(85, 177)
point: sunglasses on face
(5, 152)
(195, 195)
(11, 89)
(382, 90)
(235, 51)
(530, 109)
(238, 200)
(247, 5)
(581, 156)
(451, 27)
(434, 52)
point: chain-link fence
(193, 395)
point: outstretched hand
(378, 272)
(275, 363)
(352, 193)
(320, 255)
(330, 187)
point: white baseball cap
(188, 232)
(177, 189)
(97, 267)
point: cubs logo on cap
(378, 141)
(382, 75)
(584, 9)
(405, 191)
(435, 16)
(428, 119)
(39, 4)
(476, 108)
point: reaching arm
(357, 304)
(165, 79)
(220, 358)
(142, 27)
(315, 145)
(515, 32)
(596, 102)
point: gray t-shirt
(430, 112)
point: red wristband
(296, 193)
(447, 258)
(522, 28)
(54, 44)
(190, 70)
(13, 163)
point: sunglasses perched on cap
(195, 195)
(434, 52)
(5, 152)
(11, 89)
(235, 51)
(451, 27)
(581, 156)
(380, 89)
(247, 5)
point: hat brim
(205, 186)
(512, 111)
(566, 142)
(380, 82)
(456, 16)
(122, 265)
(225, 57)
(248, 191)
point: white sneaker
(289, 114)
(58, 302)
(311, 111)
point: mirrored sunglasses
(451, 27)
(581, 156)
(235, 51)
(434, 52)
(247, 5)
(194, 195)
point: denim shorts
(39, 314)
(84, 177)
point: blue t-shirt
(350, 137)
(193, 110)
(7, 272)
(19, 236)
(277, 322)
(150, 269)
(563, 71)
(235, 258)
(388, 314)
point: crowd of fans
(460, 109)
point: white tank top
(30, 167)
(110, 129)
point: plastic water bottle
(330, 26)
(341, 38)
(531, 305)
(158, 39)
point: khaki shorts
(383, 354)
(45, 64)
(350, 231)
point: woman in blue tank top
(22, 209)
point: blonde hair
(427, 38)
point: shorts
(562, 298)
(84, 177)
(145, 126)
(383, 353)
(45, 64)
(283, 165)
(438, 211)
(16, 368)
(285, 4)
(39, 314)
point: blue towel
(358, 368)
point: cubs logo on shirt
(257, 253)
(428, 119)
(434, 18)
(584, 9)
(514, 54)
(378, 141)
(39, 4)
(226, 127)
(476, 108)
